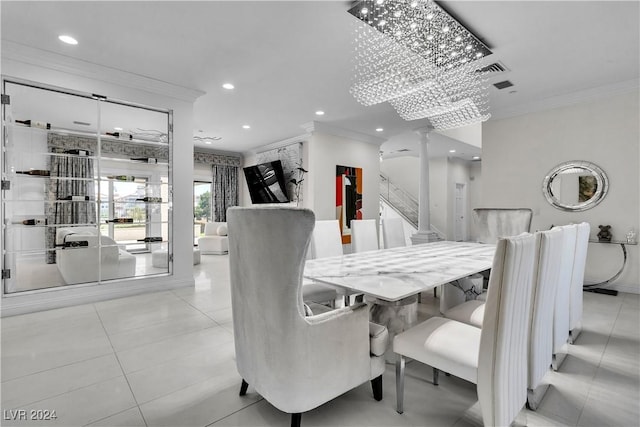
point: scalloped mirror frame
(601, 190)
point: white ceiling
(288, 59)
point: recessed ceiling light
(452, 151)
(476, 157)
(246, 127)
(379, 129)
(319, 113)
(117, 128)
(228, 86)
(67, 39)
(208, 142)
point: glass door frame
(99, 99)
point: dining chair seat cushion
(317, 292)
(450, 345)
(470, 312)
(313, 308)
(378, 339)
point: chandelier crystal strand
(414, 55)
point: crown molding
(569, 99)
(322, 127)
(67, 64)
(283, 143)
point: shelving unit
(83, 163)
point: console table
(600, 287)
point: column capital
(424, 130)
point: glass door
(86, 188)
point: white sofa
(80, 264)
(215, 240)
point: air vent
(402, 150)
(496, 67)
(503, 84)
(77, 122)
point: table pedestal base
(397, 316)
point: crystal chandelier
(422, 61)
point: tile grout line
(122, 369)
(200, 310)
(235, 412)
(599, 364)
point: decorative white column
(424, 234)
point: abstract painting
(348, 198)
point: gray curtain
(70, 175)
(225, 190)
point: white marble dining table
(399, 273)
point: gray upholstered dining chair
(577, 281)
(364, 235)
(393, 233)
(488, 225)
(295, 362)
(493, 357)
(491, 223)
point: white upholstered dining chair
(546, 273)
(393, 233)
(295, 362)
(549, 246)
(325, 241)
(577, 281)
(364, 235)
(494, 357)
(561, 317)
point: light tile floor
(167, 359)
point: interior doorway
(459, 213)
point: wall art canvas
(348, 198)
(291, 158)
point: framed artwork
(348, 198)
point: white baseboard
(74, 295)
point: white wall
(325, 153)
(404, 172)
(518, 152)
(66, 74)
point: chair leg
(400, 384)
(376, 385)
(296, 419)
(243, 388)
(436, 373)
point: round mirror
(575, 186)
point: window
(202, 212)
